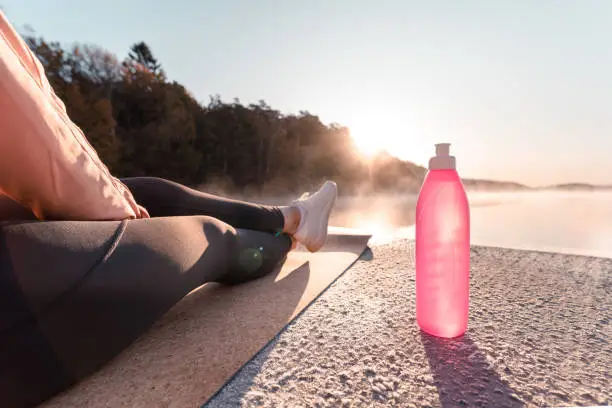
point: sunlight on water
(570, 222)
(384, 233)
(387, 218)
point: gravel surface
(539, 336)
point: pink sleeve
(46, 163)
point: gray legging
(74, 294)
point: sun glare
(375, 138)
(367, 141)
(399, 138)
(368, 147)
(380, 129)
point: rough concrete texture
(539, 336)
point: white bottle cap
(442, 160)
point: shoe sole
(323, 226)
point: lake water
(569, 222)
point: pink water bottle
(442, 249)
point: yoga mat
(209, 335)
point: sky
(522, 89)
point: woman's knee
(225, 254)
(255, 254)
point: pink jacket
(46, 163)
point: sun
(368, 147)
(367, 139)
(396, 138)
(373, 137)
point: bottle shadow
(367, 255)
(464, 377)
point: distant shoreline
(577, 187)
(504, 186)
(274, 197)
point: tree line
(141, 123)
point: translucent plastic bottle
(442, 249)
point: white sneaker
(314, 211)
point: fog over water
(570, 222)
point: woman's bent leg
(164, 198)
(75, 294)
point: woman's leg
(163, 198)
(306, 220)
(94, 287)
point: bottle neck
(442, 163)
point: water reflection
(387, 218)
(573, 222)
